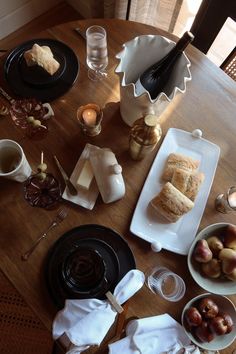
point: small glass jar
(144, 135)
(226, 202)
(90, 118)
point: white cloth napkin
(154, 335)
(86, 322)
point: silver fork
(61, 215)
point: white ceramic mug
(13, 163)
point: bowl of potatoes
(212, 259)
(209, 321)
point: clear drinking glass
(163, 282)
(97, 59)
(226, 202)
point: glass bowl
(20, 112)
(42, 193)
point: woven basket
(21, 332)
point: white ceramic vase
(136, 56)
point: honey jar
(144, 135)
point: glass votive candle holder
(162, 281)
(226, 203)
(90, 118)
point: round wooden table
(208, 104)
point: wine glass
(97, 59)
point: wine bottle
(154, 78)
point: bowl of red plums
(212, 259)
(209, 320)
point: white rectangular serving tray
(146, 222)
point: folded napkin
(157, 334)
(86, 322)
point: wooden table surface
(208, 104)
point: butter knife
(80, 32)
(70, 186)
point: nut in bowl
(212, 259)
(209, 321)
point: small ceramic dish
(219, 342)
(221, 285)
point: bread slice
(43, 57)
(178, 161)
(171, 203)
(187, 182)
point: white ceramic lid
(108, 174)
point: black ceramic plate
(34, 81)
(117, 256)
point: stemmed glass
(97, 58)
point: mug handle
(50, 111)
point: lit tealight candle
(89, 116)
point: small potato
(227, 257)
(215, 244)
(232, 276)
(230, 237)
(211, 269)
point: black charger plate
(115, 251)
(34, 81)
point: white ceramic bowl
(219, 342)
(219, 286)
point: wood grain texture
(208, 104)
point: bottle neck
(176, 51)
(182, 43)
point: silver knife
(71, 187)
(80, 32)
